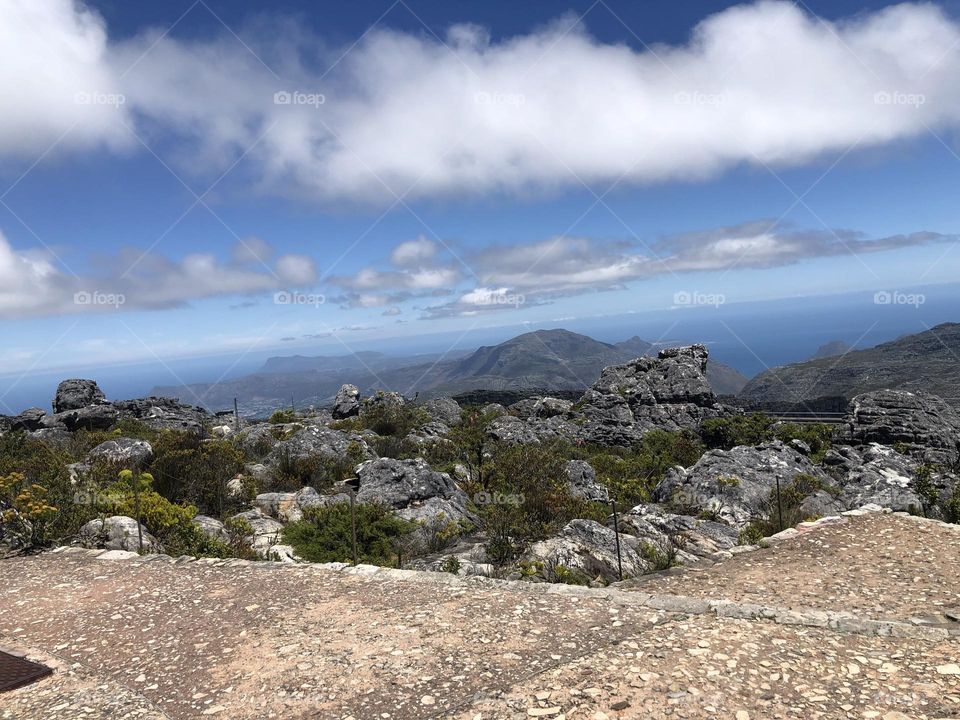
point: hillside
(545, 360)
(925, 361)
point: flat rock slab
(878, 566)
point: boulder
(257, 440)
(582, 482)
(588, 549)
(668, 392)
(289, 507)
(398, 483)
(29, 419)
(315, 441)
(692, 539)
(212, 528)
(117, 532)
(925, 423)
(91, 417)
(510, 429)
(76, 394)
(444, 410)
(266, 530)
(346, 403)
(125, 452)
(735, 485)
(540, 407)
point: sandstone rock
(398, 483)
(346, 403)
(735, 485)
(117, 532)
(76, 394)
(29, 419)
(91, 417)
(266, 530)
(314, 441)
(582, 482)
(381, 400)
(164, 413)
(669, 392)
(919, 420)
(289, 507)
(540, 407)
(445, 410)
(589, 549)
(692, 538)
(211, 527)
(125, 452)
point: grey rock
(735, 485)
(289, 507)
(582, 482)
(540, 407)
(381, 400)
(692, 539)
(266, 530)
(398, 483)
(669, 392)
(164, 413)
(125, 452)
(315, 441)
(76, 394)
(212, 528)
(925, 423)
(510, 429)
(589, 548)
(445, 410)
(493, 409)
(29, 419)
(346, 403)
(258, 440)
(117, 532)
(91, 417)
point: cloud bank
(405, 113)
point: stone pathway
(153, 638)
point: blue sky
(439, 167)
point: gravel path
(878, 566)
(151, 639)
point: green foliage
(557, 573)
(726, 433)
(791, 497)
(324, 534)
(25, 511)
(631, 475)
(658, 558)
(394, 420)
(819, 436)
(922, 484)
(187, 470)
(452, 565)
(393, 446)
(280, 417)
(318, 471)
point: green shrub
(726, 433)
(387, 419)
(280, 417)
(324, 534)
(186, 470)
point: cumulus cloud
(762, 82)
(31, 284)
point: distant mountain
(301, 363)
(831, 349)
(544, 360)
(925, 361)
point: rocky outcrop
(443, 410)
(76, 394)
(924, 423)
(117, 532)
(692, 539)
(125, 452)
(266, 532)
(735, 485)
(588, 550)
(212, 528)
(582, 482)
(289, 507)
(381, 400)
(164, 413)
(398, 483)
(669, 392)
(347, 402)
(316, 441)
(540, 407)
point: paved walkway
(135, 639)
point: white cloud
(762, 82)
(414, 252)
(35, 285)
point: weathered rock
(258, 440)
(690, 538)
(669, 392)
(29, 419)
(582, 482)
(443, 409)
(91, 417)
(289, 507)
(735, 485)
(314, 441)
(381, 400)
(212, 528)
(125, 452)
(398, 483)
(76, 394)
(540, 407)
(117, 532)
(510, 429)
(346, 403)
(266, 530)
(164, 413)
(493, 409)
(923, 422)
(589, 549)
